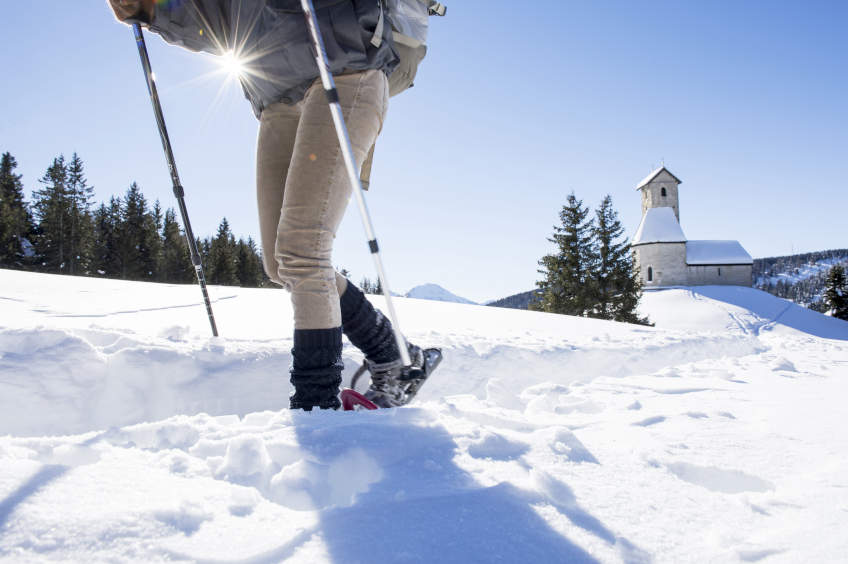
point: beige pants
(302, 189)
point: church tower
(659, 190)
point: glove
(139, 10)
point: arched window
(650, 274)
(663, 193)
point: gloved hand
(139, 10)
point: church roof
(716, 253)
(654, 174)
(659, 225)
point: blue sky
(513, 108)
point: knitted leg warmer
(316, 371)
(367, 328)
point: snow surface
(659, 225)
(436, 293)
(716, 252)
(132, 435)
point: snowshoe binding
(392, 384)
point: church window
(650, 274)
(663, 193)
(719, 271)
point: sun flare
(232, 64)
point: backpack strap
(377, 38)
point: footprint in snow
(497, 447)
(650, 421)
(568, 445)
(718, 479)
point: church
(665, 257)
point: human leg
(316, 194)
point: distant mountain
(437, 293)
(516, 301)
(800, 278)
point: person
(302, 188)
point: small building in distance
(663, 254)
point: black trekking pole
(350, 163)
(172, 168)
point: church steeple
(659, 190)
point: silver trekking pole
(350, 163)
(172, 168)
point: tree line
(63, 231)
(592, 272)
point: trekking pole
(172, 168)
(350, 163)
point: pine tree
(836, 293)
(139, 239)
(107, 224)
(248, 264)
(52, 211)
(81, 228)
(568, 284)
(16, 224)
(222, 257)
(617, 284)
(176, 264)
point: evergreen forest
(63, 231)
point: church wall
(731, 275)
(667, 260)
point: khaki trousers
(302, 189)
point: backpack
(409, 33)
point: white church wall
(666, 261)
(728, 274)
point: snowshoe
(392, 384)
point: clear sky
(517, 104)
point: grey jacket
(273, 39)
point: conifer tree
(617, 285)
(568, 283)
(176, 264)
(139, 240)
(52, 211)
(248, 264)
(369, 287)
(80, 234)
(16, 223)
(107, 224)
(836, 293)
(222, 257)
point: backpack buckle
(437, 9)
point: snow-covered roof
(654, 174)
(716, 252)
(659, 225)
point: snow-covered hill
(132, 435)
(436, 293)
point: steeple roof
(659, 225)
(654, 174)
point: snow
(716, 252)
(659, 225)
(437, 293)
(654, 173)
(803, 272)
(128, 433)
